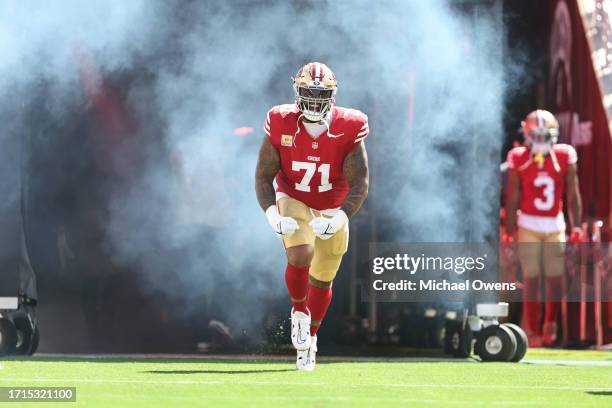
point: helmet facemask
(541, 139)
(314, 102)
(541, 131)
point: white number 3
(549, 192)
(310, 168)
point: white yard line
(570, 363)
(307, 383)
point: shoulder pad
(277, 114)
(356, 122)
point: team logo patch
(286, 140)
(315, 145)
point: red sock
(531, 306)
(318, 302)
(297, 285)
(553, 287)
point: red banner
(575, 96)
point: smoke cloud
(429, 77)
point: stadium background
(137, 147)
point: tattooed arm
(268, 165)
(355, 169)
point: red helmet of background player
(315, 89)
(540, 130)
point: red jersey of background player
(542, 184)
(311, 168)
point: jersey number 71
(311, 168)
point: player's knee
(300, 256)
(532, 271)
(319, 283)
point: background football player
(539, 173)
(316, 153)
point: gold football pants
(327, 253)
(541, 252)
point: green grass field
(546, 378)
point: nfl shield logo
(315, 145)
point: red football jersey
(311, 167)
(542, 185)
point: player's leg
(319, 299)
(296, 274)
(300, 251)
(554, 269)
(323, 270)
(530, 257)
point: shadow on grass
(222, 359)
(204, 359)
(280, 370)
(600, 393)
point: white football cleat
(306, 359)
(300, 329)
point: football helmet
(315, 89)
(541, 131)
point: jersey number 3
(311, 168)
(548, 183)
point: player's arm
(355, 170)
(268, 166)
(512, 200)
(574, 200)
(356, 173)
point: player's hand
(283, 226)
(576, 236)
(507, 239)
(325, 228)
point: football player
(539, 172)
(316, 153)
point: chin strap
(539, 159)
(329, 133)
(553, 156)
(297, 126)
(324, 121)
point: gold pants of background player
(541, 252)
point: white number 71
(310, 168)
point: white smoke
(191, 218)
